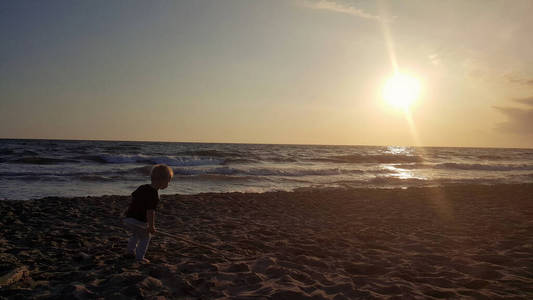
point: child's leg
(136, 228)
(132, 243)
(144, 240)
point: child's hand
(151, 229)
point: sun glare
(401, 90)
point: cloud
(518, 79)
(338, 7)
(435, 59)
(520, 120)
(477, 66)
(526, 101)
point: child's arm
(150, 216)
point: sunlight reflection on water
(402, 173)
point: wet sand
(455, 242)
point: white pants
(140, 237)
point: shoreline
(297, 191)
(461, 241)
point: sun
(401, 90)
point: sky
(258, 71)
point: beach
(462, 241)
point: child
(140, 216)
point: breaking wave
(466, 167)
(38, 160)
(483, 167)
(146, 159)
(264, 171)
(376, 158)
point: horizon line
(248, 143)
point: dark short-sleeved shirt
(144, 198)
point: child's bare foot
(143, 261)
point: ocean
(32, 169)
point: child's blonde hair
(161, 172)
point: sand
(455, 242)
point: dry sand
(455, 242)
